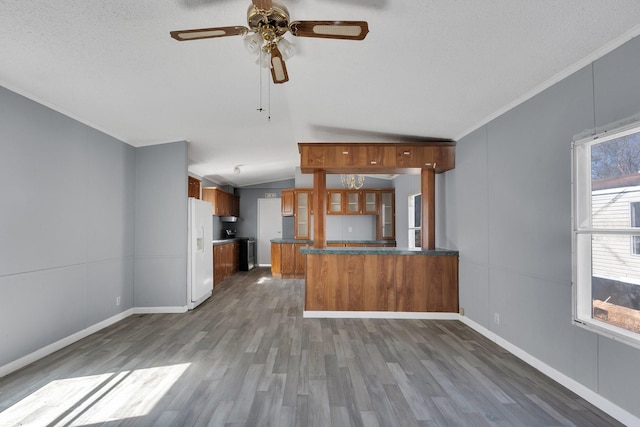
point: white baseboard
(586, 393)
(53, 347)
(159, 310)
(378, 315)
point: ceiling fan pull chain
(260, 78)
(269, 102)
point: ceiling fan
(269, 21)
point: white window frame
(637, 219)
(412, 227)
(582, 233)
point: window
(606, 234)
(635, 222)
(415, 221)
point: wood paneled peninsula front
(380, 280)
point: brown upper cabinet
(224, 204)
(386, 220)
(353, 202)
(193, 187)
(302, 226)
(346, 202)
(335, 202)
(296, 202)
(370, 202)
(376, 157)
(286, 202)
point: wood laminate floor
(247, 357)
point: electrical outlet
(496, 318)
(461, 311)
(117, 300)
(350, 229)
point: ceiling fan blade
(345, 30)
(263, 4)
(208, 33)
(278, 67)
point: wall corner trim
(586, 393)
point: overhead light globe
(287, 49)
(264, 59)
(253, 43)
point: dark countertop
(372, 242)
(377, 251)
(291, 241)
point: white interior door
(269, 227)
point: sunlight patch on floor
(94, 399)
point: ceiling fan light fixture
(253, 43)
(264, 59)
(287, 48)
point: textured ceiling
(428, 68)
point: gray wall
(161, 226)
(67, 195)
(247, 225)
(84, 219)
(510, 196)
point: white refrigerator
(200, 253)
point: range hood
(228, 218)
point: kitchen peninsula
(381, 279)
(344, 280)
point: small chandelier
(352, 181)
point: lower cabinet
(286, 260)
(226, 261)
(288, 263)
